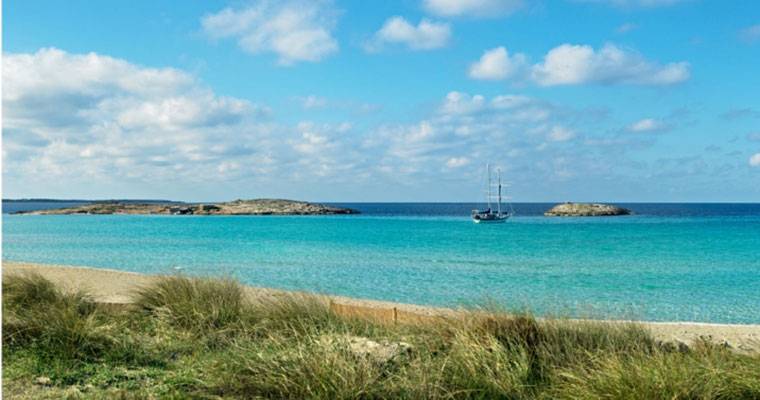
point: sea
(666, 262)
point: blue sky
(605, 100)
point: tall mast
(488, 171)
(498, 174)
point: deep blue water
(688, 262)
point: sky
(574, 100)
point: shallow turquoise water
(704, 268)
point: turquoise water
(686, 268)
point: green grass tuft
(201, 305)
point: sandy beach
(115, 287)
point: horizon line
(62, 200)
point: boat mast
(488, 171)
(498, 174)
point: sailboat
(490, 215)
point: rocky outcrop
(276, 207)
(237, 207)
(585, 210)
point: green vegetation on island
(203, 338)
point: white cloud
(311, 140)
(515, 107)
(462, 103)
(569, 64)
(577, 64)
(112, 128)
(505, 129)
(105, 126)
(57, 73)
(89, 115)
(410, 143)
(472, 8)
(457, 162)
(751, 34)
(295, 30)
(648, 125)
(755, 160)
(525, 136)
(533, 140)
(427, 35)
(324, 150)
(496, 64)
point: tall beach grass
(204, 338)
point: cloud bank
(90, 116)
(570, 64)
(80, 118)
(92, 121)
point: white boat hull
(491, 221)
(494, 220)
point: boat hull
(496, 220)
(492, 221)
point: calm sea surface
(687, 262)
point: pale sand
(116, 287)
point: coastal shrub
(29, 290)
(201, 305)
(58, 323)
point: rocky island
(237, 207)
(585, 210)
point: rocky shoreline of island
(236, 207)
(586, 210)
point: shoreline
(112, 286)
(235, 207)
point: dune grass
(202, 338)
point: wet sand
(116, 287)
